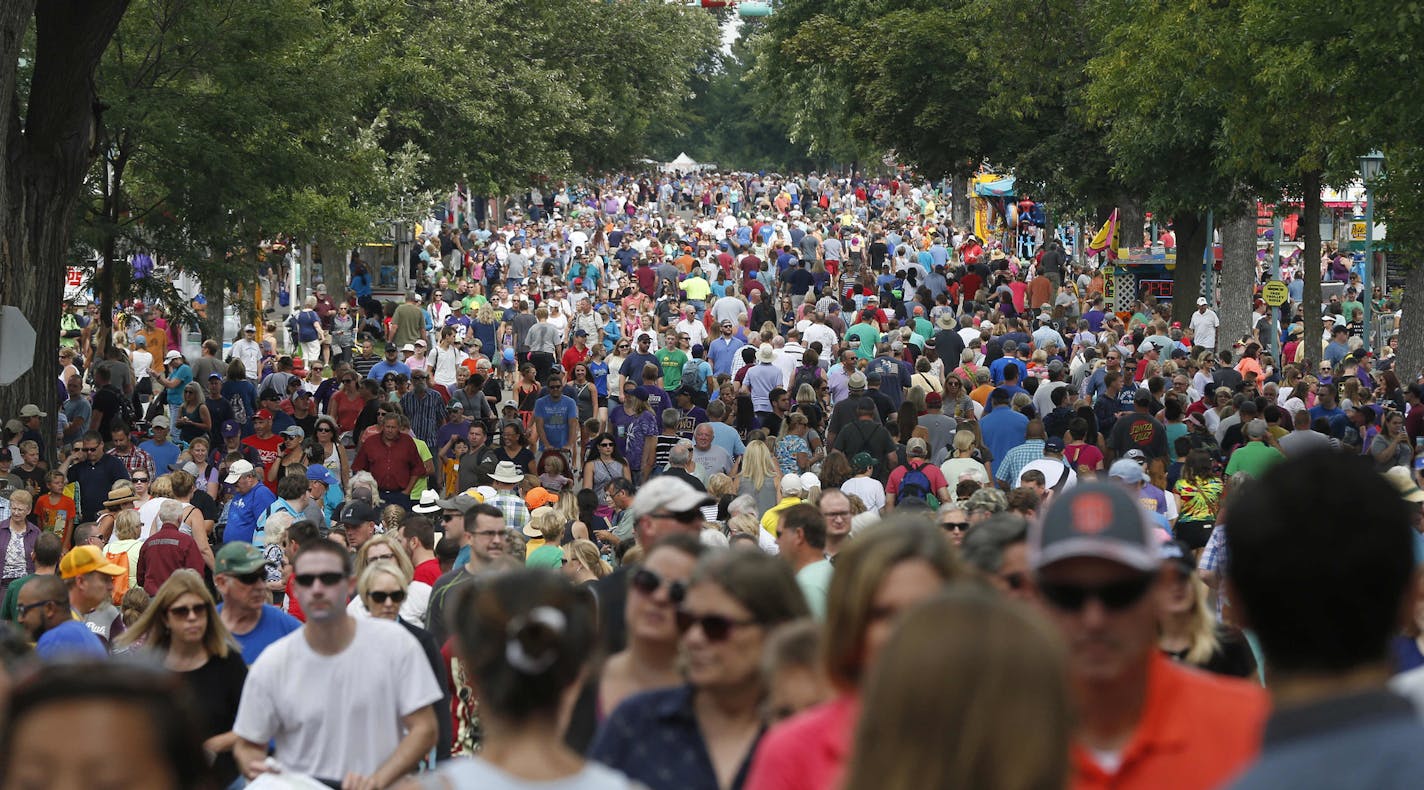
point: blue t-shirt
(70, 640)
(244, 511)
(272, 625)
(164, 455)
(184, 374)
(556, 415)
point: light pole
(1370, 166)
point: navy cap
(1095, 520)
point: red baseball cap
(262, 414)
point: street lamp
(1370, 166)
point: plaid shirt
(136, 461)
(1213, 558)
(426, 413)
(516, 513)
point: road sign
(17, 353)
(1275, 293)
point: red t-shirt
(269, 450)
(427, 571)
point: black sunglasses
(954, 526)
(685, 517)
(250, 578)
(1114, 596)
(647, 583)
(381, 596)
(716, 627)
(184, 612)
(328, 579)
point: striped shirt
(426, 412)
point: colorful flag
(1106, 239)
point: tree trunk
(1130, 216)
(215, 291)
(333, 268)
(1238, 274)
(48, 156)
(1411, 325)
(959, 211)
(1310, 263)
(1186, 277)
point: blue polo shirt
(272, 624)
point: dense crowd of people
(718, 481)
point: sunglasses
(184, 612)
(1114, 597)
(140, 479)
(715, 627)
(381, 596)
(954, 526)
(605, 444)
(250, 578)
(328, 579)
(647, 583)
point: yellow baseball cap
(87, 559)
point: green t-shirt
(867, 335)
(8, 611)
(1253, 458)
(672, 360)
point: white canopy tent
(682, 164)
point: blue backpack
(692, 375)
(914, 485)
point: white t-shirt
(330, 715)
(1204, 329)
(141, 361)
(870, 491)
(476, 773)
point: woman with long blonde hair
(998, 664)
(1188, 630)
(760, 475)
(182, 629)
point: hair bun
(532, 640)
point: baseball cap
(461, 502)
(187, 466)
(237, 470)
(933, 399)
(316, 473)
(1175, 551)
(862, 461)
(1135, 455)
(1054, 443)
(294, 431)
(269, 394)
(539, 497)
(1128, 471)
(238, 557)
(172, 355)
(263, 414)
(230, 428)
(917, 446)
(355, 511)
(161, 421)
(671, 494)
(87, 559)
(1094, 520)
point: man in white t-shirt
(1204, 323)
(335, 696)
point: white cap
(791, 484)
(237, 470)
(172, 355)
(408, 347)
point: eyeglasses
(328, 579)
(647, 583)
(839, 514)
(184, 612)
(24, 609)
(716, 627)
(381, 596)
(1114, 596)
(605, 444)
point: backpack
(805, 374)
(914, 485)
(127, 411)
(692, 375)
(121, 582)
(239, 409)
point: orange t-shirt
(56, 517)
(1197, 731)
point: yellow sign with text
(1275, 293)
(1357, 230)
